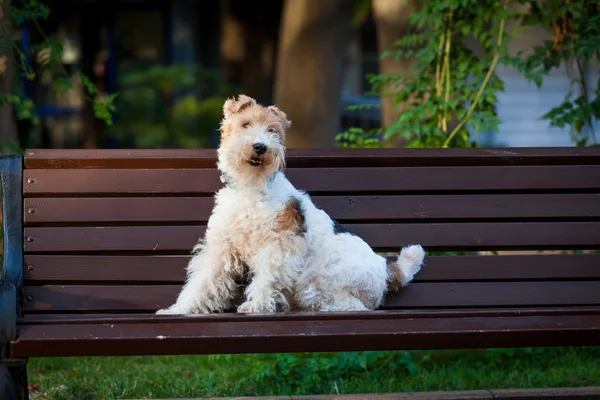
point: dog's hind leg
(210, 285)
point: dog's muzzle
(259, 150)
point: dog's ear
(233, 106)
(283, 116)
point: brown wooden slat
(55, 158)
(110, 181)
(588, 393)
(417, 295)
(198, 209)
(166, 269)
(202, 337)
(149, 317)
(478, 236)
(316, 180)
(171, 269)
(117, 209)
(154, 239)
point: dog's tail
(402, 270)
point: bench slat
(342, 208)
(315, 180)
(206, 158)
(455, 236)
(43, 269)
(99, 318)
(417, 295)
(215, 337)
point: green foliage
(32, 10)
(451, 91)
(48, 53)
(296, 373)
(452, 88)
(359, 138)
(362, 10)
(575, 26)
(25, 108)
(170, 106)
(13, 148)
(210, 376)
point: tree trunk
(391, 19)
(232, 46)
(310, 68)
(248, 41)
(8, 128)
(258, 67)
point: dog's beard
(247, 168)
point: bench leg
(13, 383)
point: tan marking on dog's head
(245, 112)
(291, 218)
(233, 106)
(246, 127)
(282, 116)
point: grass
(285, 374)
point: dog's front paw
(250, 307)
(174, 310)
(167, 311)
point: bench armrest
(8, 311)
(11, 282)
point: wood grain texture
(149, 317)
(49, 269)
(315, 180)
(505, 394)
(205, 337)
(108, 234)
(149, 158)
(418, 295)
(433, 236)
(342, 208)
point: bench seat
(108, 335)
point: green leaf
(87, 83)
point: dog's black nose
(260, 148)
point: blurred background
(173, 63)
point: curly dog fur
(297, 257)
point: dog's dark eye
(246, 125)
(272, 130)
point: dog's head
(252, 140)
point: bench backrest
(110, 231)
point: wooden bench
(96, 241)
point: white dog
(297, 257)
